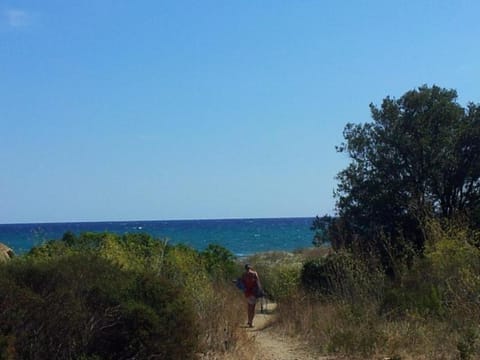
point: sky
(157, 110)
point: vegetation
(402, 279)
(82, 305)
(419, 158)
(348, 307)
(321, 225)
(105, 296)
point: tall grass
(223, 336)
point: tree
(321, 227)
(420, 155)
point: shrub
(84, 306)
(139, 252)
(342, 275)
(279, 273)
(219, 262)
(444, 282)
(283, 281)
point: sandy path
(273, 346)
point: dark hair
(247, 266)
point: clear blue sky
(136, 110)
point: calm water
(241, 236)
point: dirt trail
(273, 346)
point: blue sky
(123, 110)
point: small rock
(5, 253)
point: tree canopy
(420, 155)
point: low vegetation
(105, 296)
(348, 306)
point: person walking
(252, 289)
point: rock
(5, 253)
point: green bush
(140, 252)
(342, 275)
(454, 265)
(444, 282)
(414, 295)
(184, 267)
(83, 306)
(279, 273)
(137, 252)
(219, 262)
(283, 281)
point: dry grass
(335, 328)
(314, 252)
(220, 319)
(221, 327)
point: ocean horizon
(242, 237)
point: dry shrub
(345, 278)
(329, 327)
(361, 333)
(305, 316)
(222, 333)
(417, 338)
(222, 319)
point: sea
(242, 237)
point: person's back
(250, 280)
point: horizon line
(152, 220)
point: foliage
(430, 310)
(467, 344)
(200, 275)
(445, 281)
(184, 266)
(344, 277)
(321, 227)
(203, 283)
(82, 305)
(279, 273)
(139, 252)
(359, 333)
(420, 156)
(283, 281)
(219, 262)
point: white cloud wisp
(17, 18)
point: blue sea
(241, 236)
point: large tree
(419, 155)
